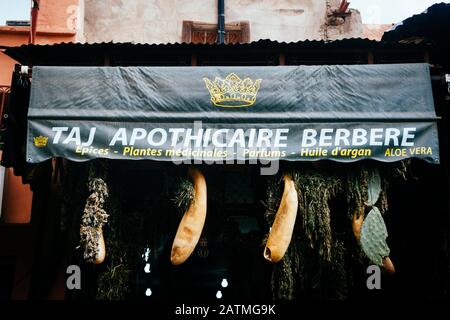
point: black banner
(222, 114)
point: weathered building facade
(153, 21)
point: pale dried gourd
(191, 225)
(283, 226)
(101, 249)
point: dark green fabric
(278, 103)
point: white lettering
(91, 138)
(137, 134)
(309, 138)
(326, 135)
(280, 137)
(359, 137)
(74, 136)
(392, 134)
(215, 138)
(59, 131)
(264, 136)
(120, 135)
(175, 135)
(407, 135)
(196, 138)
(376, 137)
(151, 137)
(238, 138)
(342, 136)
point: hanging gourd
(191, 225)
(283, 226)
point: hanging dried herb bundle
(357, 184)
(273, 198)
(114, 282)
(315, 189)
(336, 272)
(312, 243)
(94, 215)
(357, 187)
(286, 274)
(183, 194)
(319, 258)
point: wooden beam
(245, 29)
(200, 26)
(186, 33)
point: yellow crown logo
(233, 92)
(40, 141)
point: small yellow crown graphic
(40, 141)
(233, 92)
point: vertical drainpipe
(221, 22)
(34, 19)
